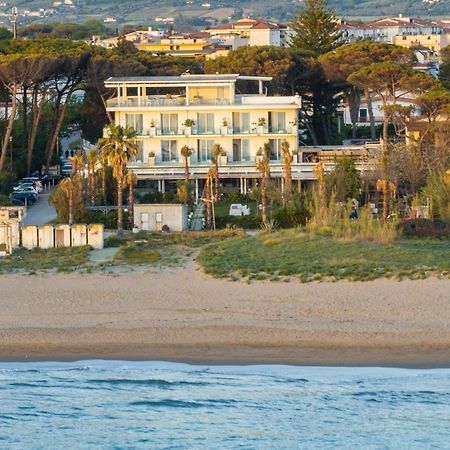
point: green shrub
(246, 222)
(424, 228)
(291, 216)
(133, 254)
(6, 183)
(109, 220)
(4, 200)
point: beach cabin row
(49, 236)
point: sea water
(155, 405)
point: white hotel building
(158, 107)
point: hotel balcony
(222, 131)
(176, 102)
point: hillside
(195, 12)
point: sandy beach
(184, 315)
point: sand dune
(185, 315)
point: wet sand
(184, 315)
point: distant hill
(197, 13)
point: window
(134, 121)
(275, 152)
(204, 150)
(241, 150)
(132, 91)
(205, 123)
(140, 151)
(169, 123)
(241, 122)
(169, 151)
(277, 122)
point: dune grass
(292, 253)
(136, 254)
(61, 259)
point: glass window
(245, 150)
(140, 151)
(275, 152)
(241, 122)
(204, 150)
(205, 123)
(169, 123)
(277, 122)
(134, 121)
(169, 151)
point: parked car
(22, 197)
(26, 186)
(66, 169)
(237, 209)
(34, 180)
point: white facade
(160, 110)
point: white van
(237, 209)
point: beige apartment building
(199, 111)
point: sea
(161, 405)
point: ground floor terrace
(240, 178)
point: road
(41, 212)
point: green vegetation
(136, 254)
(60, 259)
(295, 254)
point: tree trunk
(208, 201)
(120, 204)
(36, 118)
(354, 104)
(373, 134)
(186, 169)
(216, 180)
(70, 201)
(385, 130)
(54, 136)
(385, 201)
(24, 118)
(104, 184)
(263, 198)
(131, 204)
(9, 127)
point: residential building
(158, 108)
(407, 100)
(188, 45)
(252, 32)
(403, 31)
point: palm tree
(120, 146)
(186, 152)
(287, 169)
(130, 181)
(77, 162)
(92, 160)
(104, 161)
(67, 187)
(217, 150)
(264, 170)
(209, 198)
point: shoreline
(400, 358)
(183, 315)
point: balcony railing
(154, 102)
(219, 131)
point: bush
(291, 216)
(6, 183)
(425, 228)
(109, 220)
(157, 197)
(4, 200)
(247, 222)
